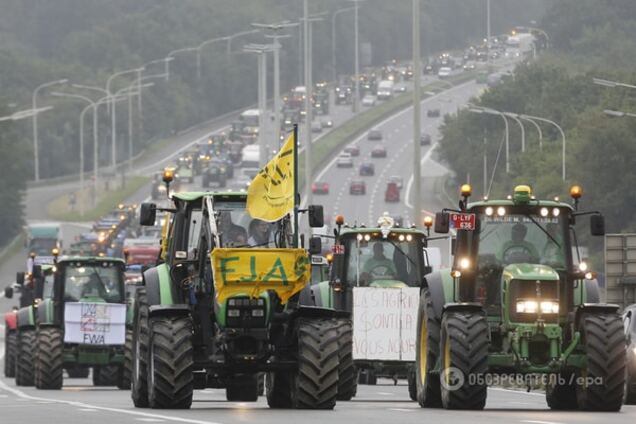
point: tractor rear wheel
(428, 393)
(49, 359)
(411, 380)
(10, 346)
(278, 388)
(105, 375)
(630, 389)
(603, 382)
(139, 383)
(24, 370)
(316, 381)
(123, 382)
(242, 388)
(464, 350)
(561, 395)
(170, 362)
(347, 375)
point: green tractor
(224, 308)
(514, 309)
(77, 321)
(376, 276)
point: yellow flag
(252, 272)
(270, 195)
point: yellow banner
(254, 271)
(270, 195)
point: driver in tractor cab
(233, 235)
(518, 250)
(378, 266)
(94, 287)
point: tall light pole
(417, 80)
(538, 127)
(23, 114)
(34, 106)
(356, 102)
(488, 34)
(523, 130)
(172, 55)
(619, 114)
(113, 117)
(276, 28)
(475, 109)
(612, 84)
(201, 46)
(165, 61)
(334, 71)
(263, 141)
(238, 34)
(558, 127)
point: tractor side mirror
(316, 216)
(147, 214)
(8, 292)
(597, 225)
(315, 246)
(442, 222)
(19, 278)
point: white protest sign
(384, 323)
(94, 323)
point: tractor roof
(89, 259)
(510, 202)
(192, 196)
(369, 230)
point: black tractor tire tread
(347, 375)
(139, 386)
(278, 389)
(468, 334)
(123, 382)
(10, 348)
(561, 397)
(105, 375)
(24, 374)
(604, 339)
(429, 396)
(49, 358)
(171, 339)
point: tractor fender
(168, 310)
(463, 307)
(434, 283)
(159, 290)
(25, 317)
(318, 312)
(592, 291)
(11, 320)
(594, 308)
(307, 296)
(45, 312)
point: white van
(385, 89)
(250, 156)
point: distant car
(425, 139)
(316, 127)
(326, 122)
(392, 193)
(320, 187)
(357, 187)
(368, 100)
(344, 160)
(367, 169)
(444, 72)
(397, 179)
(433, 113)
(378, 152)
(353, 150)
(374, 135)
(399, 88)
(470, 66)
(629, 321)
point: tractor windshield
(101, 280)
(522, 238)
(378, 259)
(238, 229)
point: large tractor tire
(105, 375)
(630, 389)
(347, 375)
(261, 383)
(49, 359)
(170, 362)
(314, 385)
(10, 347)
(242, 388)
(428, 391)
(139, 382)
(24, 370)
(123, 382)
(604, 343)
(561, 394)
(411, 380)
(78, 372)
(464, 350)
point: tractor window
(514, 239)
(238, 229)
(379, 259)
(194, 228)
(93, 280)
(48, 287)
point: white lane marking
(386, 393)
(426, 157)
(150, 420)
(499, 389)
(540, 422)
(25, 398)
(402, 409)
(87, 409)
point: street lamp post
(356, 102)
(23, 114)
(523, 131)
(417, 76)
(619, 114)
(489, 111)
(334, 71)
(558, 127)
(538, 127)
(171, 55)
(113, 117)
(34, 106)
(200, 47)
(263, 141)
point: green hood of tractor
(529, 272)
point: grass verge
(58, 209)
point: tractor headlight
(464, 263)
(533, 307)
